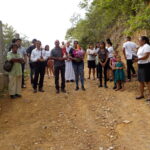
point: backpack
(8, 66)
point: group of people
(104, 62)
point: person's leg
(32, 73)
(42, 73)
(118, 86)
(81, 74)
(89, 73)
(97, 71)
(94, 73)
(18, 85)
(141, 91)
(56, 73)
(100, 74)
(148, 85)
(63, 78)
(12, 85)
(75, 67)
(129, 64)
(36, 76)
(132, 68)
(115, 86)
(105, 76)
(23, 82)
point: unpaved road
(97, 119)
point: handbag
(8, 65)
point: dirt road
(97, 119)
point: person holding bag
(15, 74)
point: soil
(97, 119)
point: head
(47, 47)
(63, 43)
(91, 46)
(102, 45)
(18, 42)
(76, 44)
(118, 58)
(57, 43)
(34, 42)
(144, 40)
(38, 44)
(14, 48)
(68, 44)
(13, 41)
(115, 53)
(128, 38)
(109, 43)
(97, 45)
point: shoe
(83, 88)
(105, 86)
(63, 90)
(71, 80)
(77, 88)
(139, 97)
(23, 86)
(41, 90)
(67, 81)
(57, 91)
(100, 86)
(148, 100)
(12, 96)
(114, 87)
(128, 80)
(35, 91)
(18, 95)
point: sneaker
(105, 86)
(41, 90)
(12, 96)
(63, 90)
(18, 95)
(100, 86)
(71, 80)
(35, 91)
(77, 88)
(57, 91)
(114, 87)
(83, 88)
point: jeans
(130, 68)
(79, 73)
(57, 71)
(103, 70)
(39, 71)
(32, 72)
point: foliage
(104, 14)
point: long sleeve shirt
(37, 54)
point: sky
(46, 20)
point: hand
(135, 60)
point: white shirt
(48, 54)
(141, 53)
(37, 54)
(130, 47)
(110, 52)
(90, 53)
(22, 51)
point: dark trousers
(97, 70)
(79, 73)
(39, 75)
(103, 70)
(130, 68)
(32, 72)
(59, 70)
(23, 67)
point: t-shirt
(141, 53)
(16, 69)
(29, 50)
(110, 52)
(130, 47)
(90, 53)
(103, 55)
(22, 51)
(57, 52)
(47, 53)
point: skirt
(91, 64)
(144, 72)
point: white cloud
(45, 20)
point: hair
(108, 41)
(46, 46)
(13, 41)
(128, 38)
(18, 39)
(146, 39)
(102, 42)
(13, 45)
(76, 42)
(34, 40)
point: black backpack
(8, 66)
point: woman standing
(110, 55)
(103, 64)
(15, 75)
(143, 66)
(91, 52)
(77, 56)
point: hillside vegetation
(102, 16)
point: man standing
(38, 57)
(59, 66)
(29, 51)
(128, 48)
(23, 54)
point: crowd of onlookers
(104, 63)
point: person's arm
(124, 53)
(143, 58)
(110, 64)
(105, 60)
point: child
(91, 52)
(119, 74)
(112, 65)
